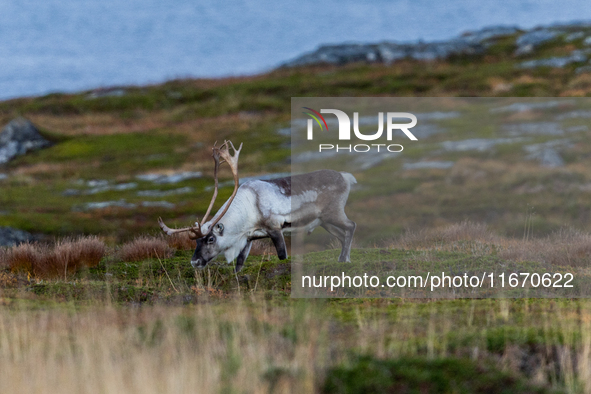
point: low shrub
(145, 247)
(65, 257)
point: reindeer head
(209, 235)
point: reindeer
(268, 209)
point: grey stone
(562, 143)
(365, 162)
(491, 32)
(533, 128)
(576, 56)
(19, 137)
(168, 179)
(97, 183)
(10, 236)
(576, 129)
(522, 107)
(387, 52)
(443, 165)
(305, 157)
(548, 157)
(105, 188)
(3, 176)
(160, 193)
(437, 115)
(71, 192)
(108, 92)
(478, 144)
(583, 69)
(158, 204)
(286, 131)
(547, 152)
(587, 41)
(528, 41)
(105, 204)
(574, 36)
(577, 114)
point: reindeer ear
(219, 229)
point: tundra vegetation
(121, 310)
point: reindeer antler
(222, 152)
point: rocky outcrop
(11, 236)
(468, 44)
(576, 56)
(19, 137)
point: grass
(65, 257)
(228, 333)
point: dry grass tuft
(144, 248)
(460, 232)
(567, 247)
(63, 258)
(25, 257)
(180, 242)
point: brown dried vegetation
(145, 247)
(566, 247)
(65, 257)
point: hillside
(170, 127)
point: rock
(577, 114)
(528, 41)
(160, 193)
(71, 192)
(548, 157)
(574, 36)
(285, 132)
(158, 204)
(387, 52)
(437, 115)
(365, 162)
(11, 236)
(546, 153)
(105, 204)
(19, 137)
(106, 92)
(3, 176)
(491, 32)
(533, 128)
(166, 179)
(97, 183)
(583, 69)
(106, 188)
(523, 107)
(442, 165)
(576, 56)
(470, 43)
(478, 144)
(337, 54)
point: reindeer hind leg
(345, 229)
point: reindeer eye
(211, 240)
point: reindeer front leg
(242, 256)
(279, 242)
